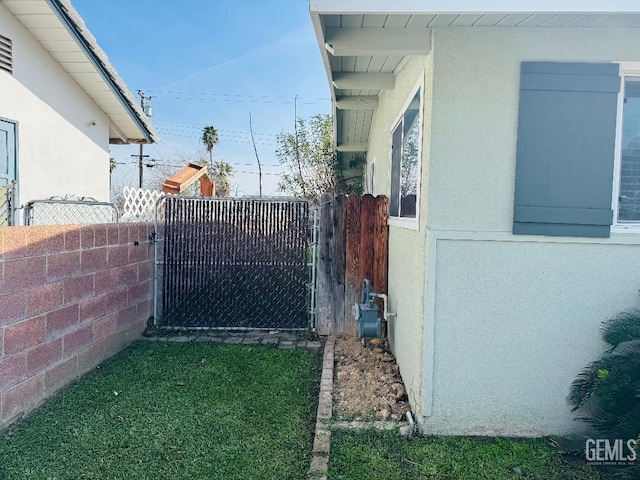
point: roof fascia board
(317, 27)
(337, 7)
(57, 8)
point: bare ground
(367, 383)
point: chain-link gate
(235, 263)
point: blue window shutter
(566, 149)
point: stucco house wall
(54, 116)
(407, 247)
(516, 317)
(492, 327)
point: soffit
(350, 55)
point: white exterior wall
(515, 317)
(407, 248)
(59, 151)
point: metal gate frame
(69, 210)
(158, 239)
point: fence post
(324, 311)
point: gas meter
(367, 313)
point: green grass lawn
(370, 455)
(164, 410)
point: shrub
(606, 394)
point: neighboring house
(61, 105)
(506, 135)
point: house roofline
(478, 6)
(385, 42)
(85, 40)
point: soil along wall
(70, 297)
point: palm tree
(210, 139)
(112, 165)
(221, 171)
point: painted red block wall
(70, 297)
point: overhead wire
(221, 130)
(167, 163)
(174, 133)
(205, 99)
(236, 95)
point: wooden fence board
(380, 245)
(338, 253)
(352, 282)
(352, 246)
(367, 228)
(324, 304)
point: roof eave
(336, 7)
(117, 86)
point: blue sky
(211, 63)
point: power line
(204, 99)
(182, 164)
(235, 171)
(237, 95)
(193, 133)
(244, 172)
(222, 130)
(225, 139)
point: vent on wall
(6, 54)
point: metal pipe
(412, 423)
(385, 303)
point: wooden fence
(353, 245)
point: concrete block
(21, 336)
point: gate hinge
(153, 238)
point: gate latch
(153, 238)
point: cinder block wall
(70, 297)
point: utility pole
(146, 108)
(257, 157)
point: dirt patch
(367, 382)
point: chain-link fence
(235, 263)
(7, 195)
(69, 210)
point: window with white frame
(405, 160)
(628, 152)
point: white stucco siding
(59, 151)
(407, 253)
(475, 113)
(515, 317)
(515, 323)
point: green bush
(606, 394)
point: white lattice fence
(139, 204)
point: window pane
(629, 197)
(396, 157)
(410, 159)
(4, 154)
